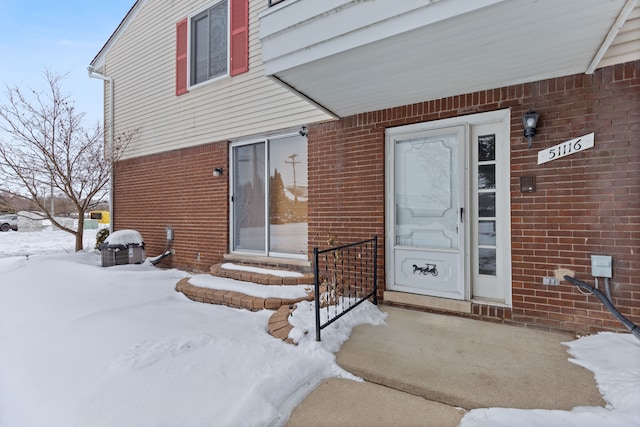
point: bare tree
(50, 151)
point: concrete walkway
(422, 368)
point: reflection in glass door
(486, 204)
(288, 195)
(489, 213)
(269, 211)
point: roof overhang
(353, 56)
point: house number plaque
(565, 149)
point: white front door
(448, 220)
(428, 211)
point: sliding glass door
(269, 197)
(249, 197)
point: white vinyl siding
(228, 108)
(626, 46)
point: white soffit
(506, 43)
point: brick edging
(278, 326)
(234, 299)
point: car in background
(8, 222)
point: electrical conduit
(626, 322)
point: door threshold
(424, 301)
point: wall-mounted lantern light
(217, 172)
(530, 120)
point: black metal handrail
(348, 275)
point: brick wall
(587, 203)
(346, 182)
(177, 188)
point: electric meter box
(601, 266)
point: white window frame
(232, 237)
(190, 45)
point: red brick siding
(346, 182)
(587, 203)
(177, 188)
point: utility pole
(293, 164)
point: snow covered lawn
(82, 345)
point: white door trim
(500, 119)
(429, 245)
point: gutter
(95, 75)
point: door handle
(461, 214)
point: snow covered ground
(83, 345)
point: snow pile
(252, 289)
(89, 346)
(279, 273)
(124, 238)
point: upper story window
(218, 44)
(209, 37)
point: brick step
(278, 325)
(234, 299)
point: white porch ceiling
(503, 43)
